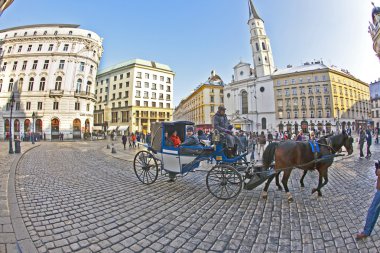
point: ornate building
(249, 97)
(375, 100)
(132, 95)
(51, 70)
(374, 29)
(201, 105)
(315, 96)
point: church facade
(249, 98)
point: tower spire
(252, 11)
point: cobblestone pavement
(74, 198)
(7, 234)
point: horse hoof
(264, 196)
(290, 199)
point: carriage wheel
(145, 167)
(224, 181)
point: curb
(23, 240)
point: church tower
(261, 49)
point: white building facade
(374, 29)
(249, 98)
(132, 95)
(50, 69)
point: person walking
(129, 140)
(374, 209)
(362, 139)
(300, 136)
(252, 145)
(124, 140)
(270, 137)
(369, 142)
(262, 142)
(133, 137)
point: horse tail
(268, 155)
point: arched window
(31, 82)
(88, 87)
(1, 84)
(10, 87)
(259, 59)
(263, 45)
(264, 123)
(20, 84)
(257, 47)
(56, 32)
(70, 32)
(79, 85)
(58, 83)
(45, 32)
(42, 84)
(244, 102)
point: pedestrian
(129, 140)
(252, 145)
(133, 137)
(369, 142)
(270, 137)
(362, 139)
(262, 142)
(124, 139)
(374, 209)
(300, 136)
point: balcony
(85, 95)
(55, 93)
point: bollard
(108, 146)
(113, 151)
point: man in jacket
(191, 139)
(221, 124)
(362, 139)
(369, 142)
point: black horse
(293, 154)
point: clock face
(262, 89)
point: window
(294, 91)
(325, 89)
(168, 105)
(303, 114)
(55, 106)
(295, 114)
(244, 102)
(58, 83)
(119, 95)
(154, 86)
(17, 106)
(311, 114)
(161, 78)
(126, 94)
(146, 76)
(167, 97)
(24, 65)
(89, 35)
(50, 47)
(154, 77)
(311, 101)
(66, 47)
(120, 85)
(168, 80)
(153, 95)
(138, 94)
(115, 78)
(20, 84)
(279, 92)
(70, 32)
(114, 87)
(31, 82)
(19, 49)
(138, 75)
(264, 48)
(46, 64)
(34, 66)
(79, 85)
(161, 87)
(154, 104)
(212, 99)
(138, 84)
(28, 105)
(146, 94)
(113, 96)
(29, 48)
(303, 101)
(1, 84)
(56, 32)
(317, 89)
(168, 89)
(88, 107)
(137, 102)
(4, 66)
(10, 86)
(127, 84)
(161, 96)
(310, 90)
(302, 90)
(81, 66)
(39, 47)
(146, 85)
(45, 32)
(319, 114)
(14, 65)
(42, 84)
(319, 101)
(257, 47)
(61, 64)
(91, 69)
(161, 105)
(327, 113)
(39, 106)
(128, 75)
(146, 103)
(286, 92)
(288, 115)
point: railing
(85, 94)
(55, 93)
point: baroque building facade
(249, 96)
(50, 69)
(317, 97)
(202, 104)
(375, 100)
(374, 29)
(132, 95)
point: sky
(197, 36)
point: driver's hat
(190, 129)
(221, 107)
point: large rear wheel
(224, 181)
(145, 167)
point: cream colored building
(315, 96)
(374, 29)
(132, 95)
(202, 104)
(51, 70)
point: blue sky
(196, 36)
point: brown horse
(292, 154)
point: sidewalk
(8, 242)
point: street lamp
(337, 123)
(11, 102)
(33, 117)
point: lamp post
(11, 102)
(337, 123)
(33, 117)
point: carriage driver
(222, 125)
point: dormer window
(89, 35)
(15, 34)
(45, 32)
(35, 33)
(56, 32)
(70, 32)
(25, 33)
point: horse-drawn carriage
(224, 180)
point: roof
(151, 64)
(252, 11)
(39, 26)
(241, 64)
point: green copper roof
(151, 64)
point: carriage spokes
(145, 167)
(224, 181)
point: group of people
(133, 139)
(365, 136)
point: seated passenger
(168, 141)
(201, 135)
(191, 139)
(175, 139)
